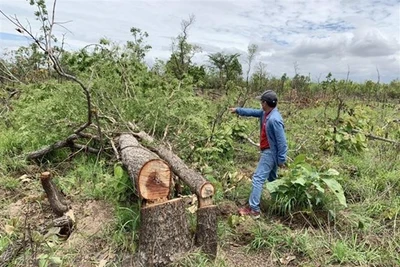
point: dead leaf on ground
(70, 213)
(286, 260)
(102, 263)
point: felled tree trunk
(150, 175)
(164, 233)
(196, 182)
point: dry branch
(69, 142)
(59, 205)
(60, 144)
(87, 148)
(374, 137)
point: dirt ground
(33, 213)
(87, 245)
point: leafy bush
(220, 147)
(305, 188)
(345, 133)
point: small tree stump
(206, 232)
(164, 233)
(57, 201)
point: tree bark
(196, 182)
(164, 234)
(150, 175)
(206, 232)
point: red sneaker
(248, 211)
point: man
(273, 147)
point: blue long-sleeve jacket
(275, 130)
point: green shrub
(304, 188)
(346, 133)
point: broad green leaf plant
(303, 188)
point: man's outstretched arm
(247, 112)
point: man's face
(264, 105)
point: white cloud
(372, 43)
(320, 35)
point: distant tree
(228, 67)
(138, 45)
(251, 55)
(198, 74)
(260, 77)
(182, 51)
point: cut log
(196, 182)
(154, 180)
(206, 232)
(57, 201)
(164, 233)
(150, 174)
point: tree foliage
(180, 61)
(227, 66)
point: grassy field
(303, 228)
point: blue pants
(266, 169)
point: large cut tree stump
(164, 233)
(150, 174)
(206, 232)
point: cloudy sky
(317, 36)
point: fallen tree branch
(370, 136)
(87, 148)
(45, 44)
(60, 144)
(69, 142)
